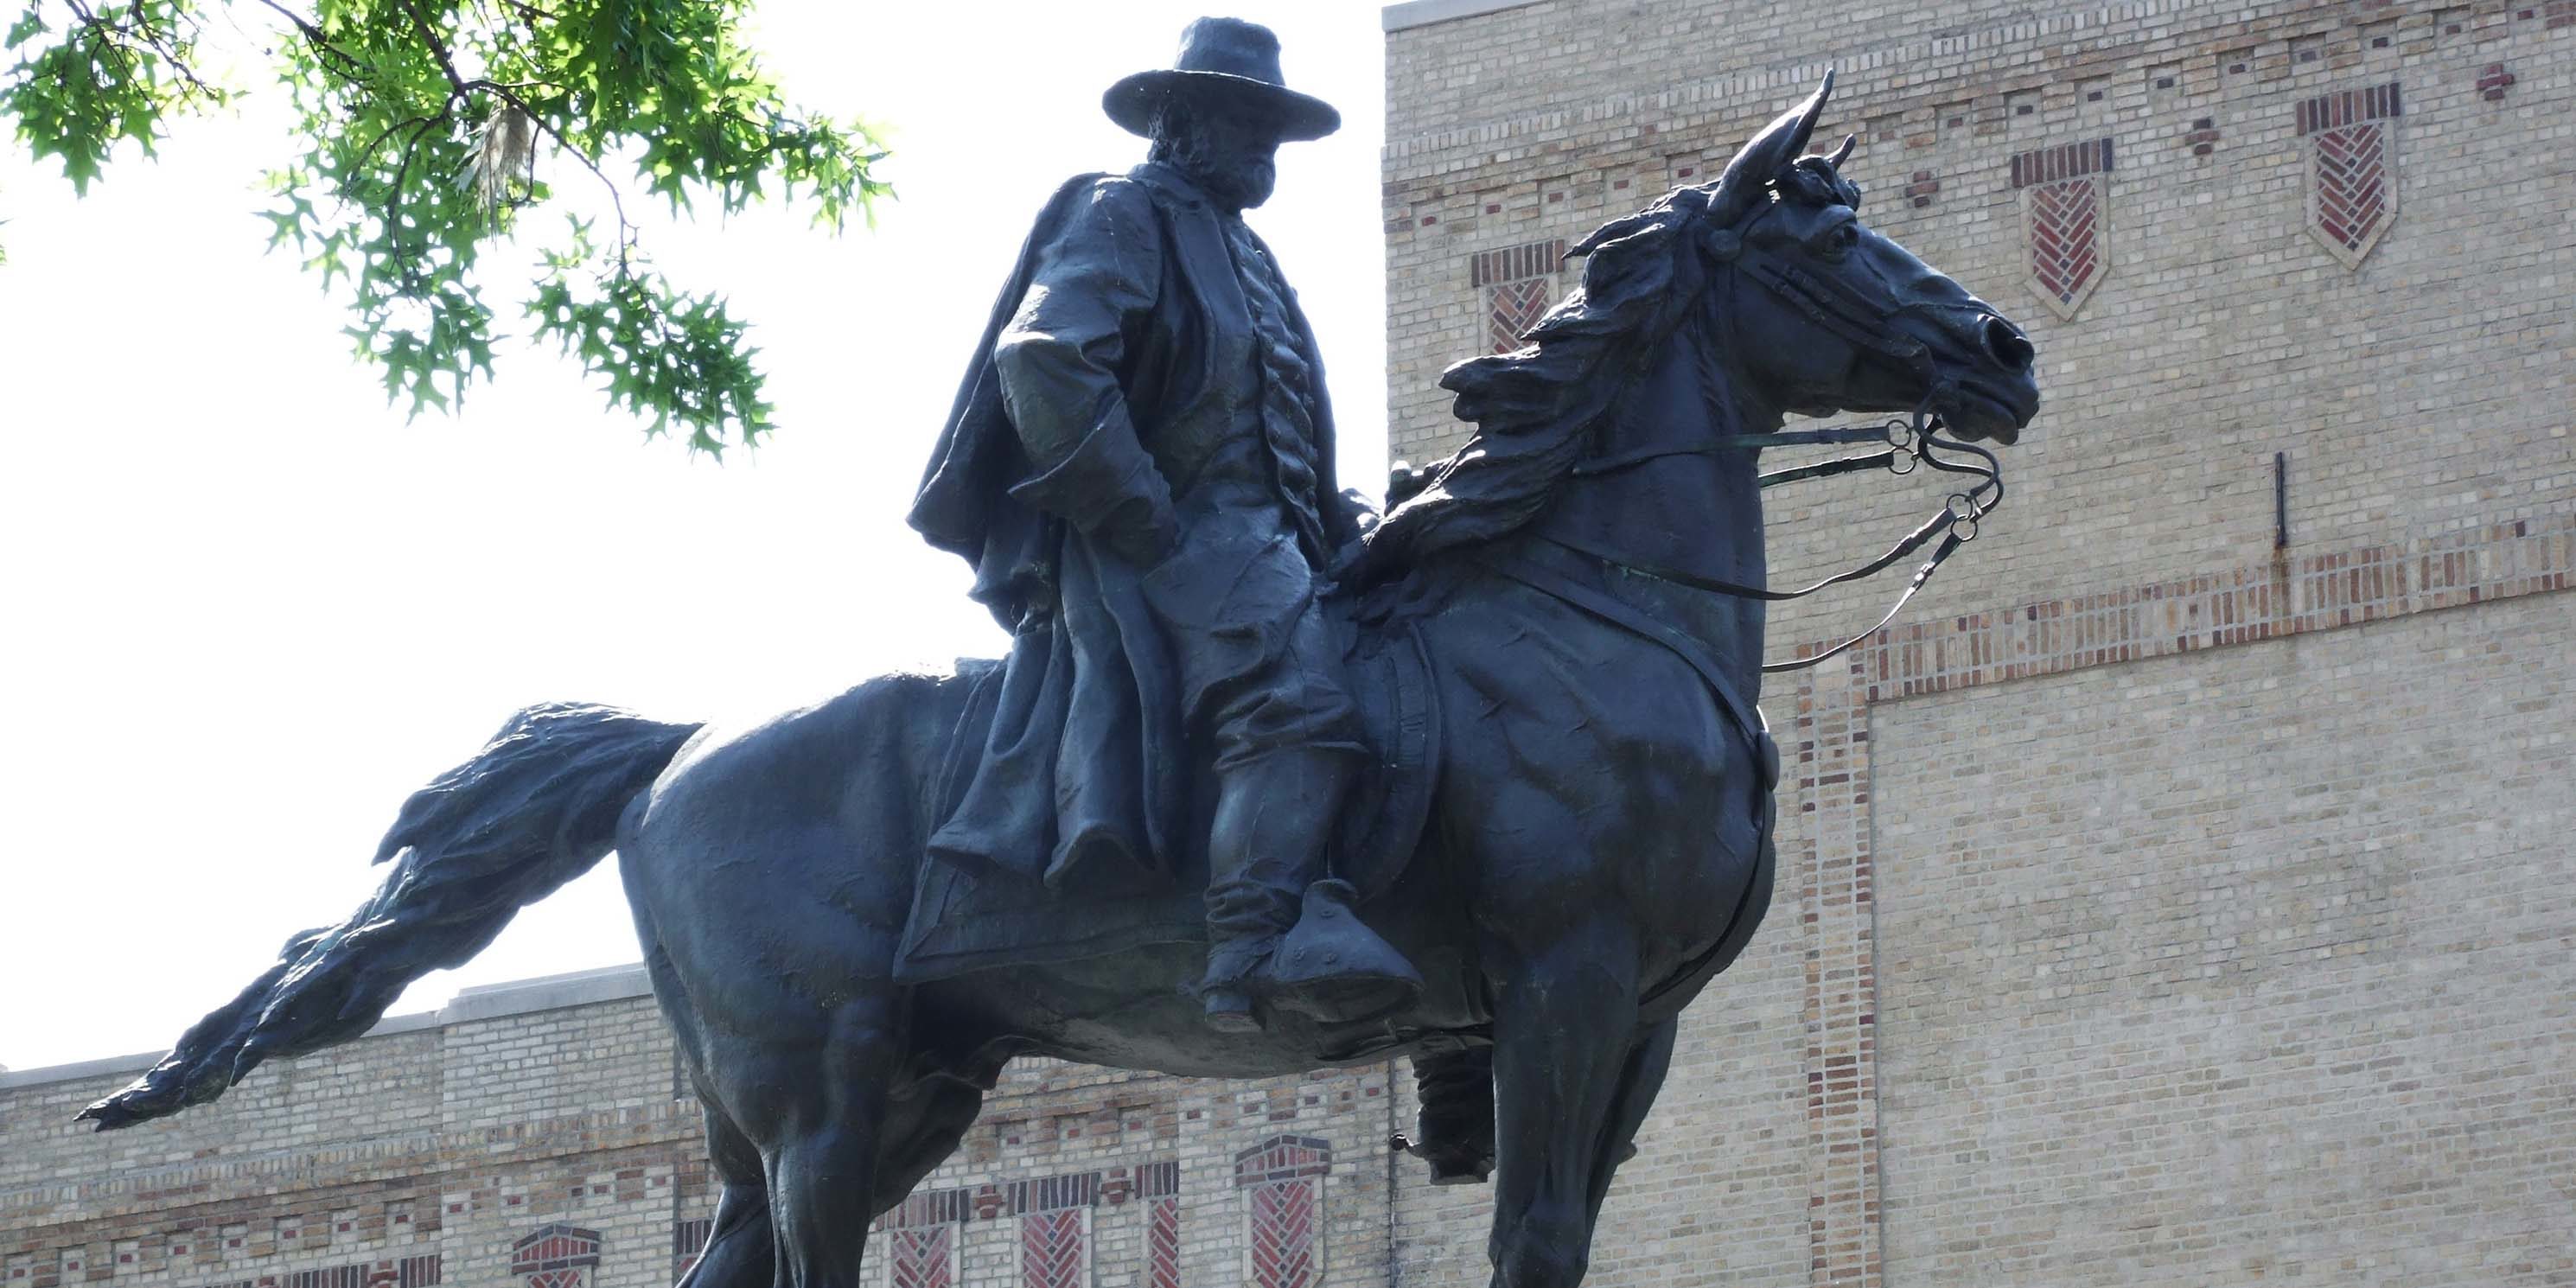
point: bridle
(1860, 320)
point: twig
(320, 40)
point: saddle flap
(965, 920)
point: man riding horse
(1140, 467)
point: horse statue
(1568, 627)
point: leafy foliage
(428, 128)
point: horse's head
(1828, 315)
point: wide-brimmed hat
(1230, 61)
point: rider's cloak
(1088, 757)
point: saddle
(964, 921)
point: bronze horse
(1598, 845)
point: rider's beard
(1236, 180)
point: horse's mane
(1533, 407)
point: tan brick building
(2180, 897)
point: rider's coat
(1144, 364)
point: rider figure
(1165, 395)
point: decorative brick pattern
(1831, 774)
(1283, 1158)
(1516, 283)
(2272, 600)
(1047, 1194)
(555, 1256)
(1512, 308)
(1054, 1249)
(2063, 202)
(2493, 81)
(2352, 169)
(920, 1256)
(1163, 1243)
(1516, 263)
(1281, 1225)
(688, 1239)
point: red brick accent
(921, 1256)
(1054, 1193)
(2493, 81)
(2203, 137)
(1052, 1254)
(1163, 1243)
(554, 1248)
(2271, 600)
(1281, 1227)
(1829, 741)
(2065, 230)
(2065, 161)
(1511, 309)
(2329, 111)
(1283, 1158)
(1925, 186)
(1515, 263)
(927, 1207)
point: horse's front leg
(1565, 1024)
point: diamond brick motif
(1051, 1249)
(2352, 196)
(1163, 1244)
(1511, 309)
(2062, 222)
(1280, 1249)
(919, 1256)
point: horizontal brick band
(1515, 263)
(2272, 600)
(2065, 161)
(2326, 111)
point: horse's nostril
(2009, 346)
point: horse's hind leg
(828, 1129)
(1565, 1023)
(739, 1253)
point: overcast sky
(247, 608)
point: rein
(1908, 444)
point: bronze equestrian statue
(1557, 794)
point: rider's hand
(1142, 533)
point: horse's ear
(1768, 153)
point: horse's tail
(536, 808)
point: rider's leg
(1273, 816)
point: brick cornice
(170, 1191)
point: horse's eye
(1845, 237)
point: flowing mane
(1534, 407)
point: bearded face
(1231, 155)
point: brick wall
(2157, 906)
(532, 1136)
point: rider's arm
(1093, 286)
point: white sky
(246, 609)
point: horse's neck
(1680, 505)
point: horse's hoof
(1229, 1010)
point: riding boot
(1274, 819)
